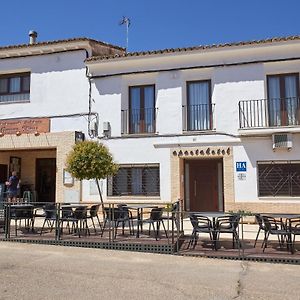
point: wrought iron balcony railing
(138, 121)
(198, 117)
(269, 113)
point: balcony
(198, 117)
(266, 113)
(139, 121)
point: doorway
(3, 173)
(46, 179)
(204, 185)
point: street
(53, 272)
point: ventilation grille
(282, 141)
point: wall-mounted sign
(79, 136)
(241, 176)
(25, 126)
(67, 178)
(241, 166)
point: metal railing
(27, 222)
(269, 113)
(198, 117)
(138, 121)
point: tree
(91, 160)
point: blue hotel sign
(241, 166)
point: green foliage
(90, 160)
(242, 212)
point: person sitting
(13, 184)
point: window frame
(13, 75)
(278, 162)
(283, 110)
(110, 181)
(142, 107)
(188, 117)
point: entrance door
(204, 185)
(3, 173)
(45, 179)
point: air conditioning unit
(282, 141)
(106, 129)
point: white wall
(58, 85)
(253, 150)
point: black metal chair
(294, 229)
(228, 224)
(261, 227)
(201, 224)
(93, 213)
(276, 228)
(116, 216)
(79, 220)
(67, 216)
(156, 218)
(173, 215)
(50, 217)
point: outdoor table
(22, 211)
(139, 208)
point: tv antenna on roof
(126, 21)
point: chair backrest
(156, 214)
(175, 206)
(260, 221)
(230, 222)
(80, 212)
(200, 222)
(270, 223)
(112, 213)
(50, 211)
(67, 212)
(94, 210)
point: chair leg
(43, 226)
(93, 225)
(164, 228)
(99, 221)
(266, 241)
(257, 237)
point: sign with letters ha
(241, 166)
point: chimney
(32, 37)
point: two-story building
(44, 108)
(217, 126)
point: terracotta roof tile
(185, 49)
(46, 43)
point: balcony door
(142, 109)
(283, 99)
(199, 105)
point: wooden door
(46, 179)
(203, 185)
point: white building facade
(216, 126)
(44, 109)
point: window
(135, 181)
(279, 178)
(15, 87)
(142, 109)
(283, 99)
(199, 108)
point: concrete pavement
(53, 272)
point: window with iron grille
(279, 178)
(15, 87)
(135, 181)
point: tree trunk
(100, 193)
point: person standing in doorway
(13, 185)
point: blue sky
(156, 24)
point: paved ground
(53, 272)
